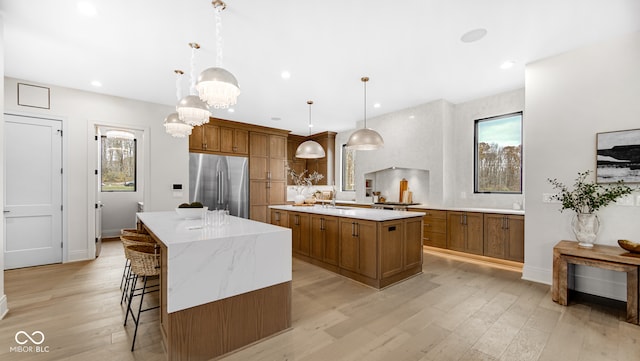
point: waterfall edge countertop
(206, 264)
(378, 215)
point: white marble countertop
(206, 264)
(377, 215)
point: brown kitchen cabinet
(300, 226)
(279, 218)
(205, 138)
(465, 232)
(324, 166)
(504, 236)
(358, 247)
(234, 140)
(324, 239)
(434, 228)
(267, 175)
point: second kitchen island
(372, 246)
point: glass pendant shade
(176, 127)
(365, 139)
(310, 150)
(193, 111)
(218, 87)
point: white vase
(298, 199)
(585, 226)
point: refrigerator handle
(221, 185)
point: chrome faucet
(333, 196)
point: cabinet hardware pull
(427, 225)
(297, 220)
(506, 223)
(357, 229)
(204, 145)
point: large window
(348, 169)
(118, 162)
(498, 154)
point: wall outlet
(546, 198)
(625, 201)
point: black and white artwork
(618, 156)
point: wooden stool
(145, 263)
(131, 239)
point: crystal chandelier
(172, 123)
(217, 86)
(310, 149)
(365, 138)
(191, 109)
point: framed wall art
(618, 156)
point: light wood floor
(453, 311)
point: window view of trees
(348, 169)
(498, 150)
(118, 164)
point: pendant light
(310, 149)
(217, 86)
(191, 109)
(365, 138)
(172, 123)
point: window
(498, 154)
(118, 163)
(348, 169)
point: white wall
(570, 98)
(3, 297)
(167, 157)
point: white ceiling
(410, 49)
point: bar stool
(130, 232)
(145, 263)
(131, 240)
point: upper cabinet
(234, 140)
(220, 137)
(324, 166)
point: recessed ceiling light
(285, 75)
(507, 64)
(231, 110)
(412, 117)
(473, 35)
(376, 105)
(86, 8)
(96, 84)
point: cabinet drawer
(433, 213)
(435, 239)
(435, 225)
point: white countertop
(206, 264)
(377, 215)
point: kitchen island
(372, 246)
(221, 288)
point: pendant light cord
(365, 79)
(192, 74)
(178, 87)
(219, 6)
(309, 102)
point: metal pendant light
(217, 86)
(365, 138)
(310, 149)
(191, 109)
(172, 123)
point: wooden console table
(607, 257)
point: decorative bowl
(632, 247)
(191, 213)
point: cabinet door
(226, 139)
(317, 237)
(331, 236)
(475, 236)
(240, 141)
(299, 224)
(368, 248)
(277, 192)
(515, 245)
(279, 218)
(211, 137)
(258, 199)
(391, 248)
(456, 231)
(258, 144)
(349, 245)
(495, 235)
(413, 243)
(196, 141)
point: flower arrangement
(588, 197)
(301, 181)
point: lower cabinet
(324, 239)
(464, 232)
(400, 246)
(358, 246)
(299, 224)
(280, 218)
(504, 236)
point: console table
(601, 256)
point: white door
(33, 191)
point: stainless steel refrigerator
(220, 182)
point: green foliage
(588, 197)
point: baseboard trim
(4, 309)
(537, 274)
(75, 256)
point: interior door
(33, 191)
